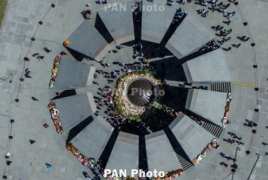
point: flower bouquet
(224, 122)
(195, 161)
(214, 143)
(229, 97)
(92, 161)
(54, 70)
(203, 154)
(209, 147)
(51, 105)
(55, 117)
(77, 154)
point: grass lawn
(3, 4)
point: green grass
(3, 4)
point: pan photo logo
(133, 173)
(134, 7)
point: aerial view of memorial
(134, 90)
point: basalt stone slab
(191, 136)
(155, 22)
(73, 74)
(76, 109)
(210, 67)
(125, 154)
(87, 40)
(92, 140)
(207, 104)
(119, 21)
(160, 154)
(189, 37)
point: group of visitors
(96, 170)
(210, 46)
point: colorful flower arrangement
(55, 116)
(208, 148)
(171, 175)
(123, 105)
(226, 111)
(82, 158)
(54, 71)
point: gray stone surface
(189, 37)
(73, 74)
(208, 68)
(93, 139)
(125, 154)
(81, 40)
(155, 23)
(75, 109)
(118, 20)
(208, 104)
(160, 154)
(192, 137)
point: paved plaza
(244, 68)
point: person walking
(26, 59)
(62, 53)
(225, 155)
(35, 54)
(40, 57)
(47, 50)
(34, 99)
(230, 15)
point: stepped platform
(81, 41)
(160, 154)
(188, 38)
(221, 87)
(215, 130)
(207, 104)
(92, 140)
(125, 154)
(155, 24)
(191, 136)
(73, 74)
(210, 67)
(75, 109)
(119, 22)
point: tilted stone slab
(156, 23)
(92, 140)
(208, 104)
(210, 67)
(189, 37)
(87, 40)
(118, 20)
(192, 137)
(75, 109)
(73, 74)
(125, 154)
(160, 154)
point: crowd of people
(104, 100)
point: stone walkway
(28, 161)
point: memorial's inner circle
(140, 92)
